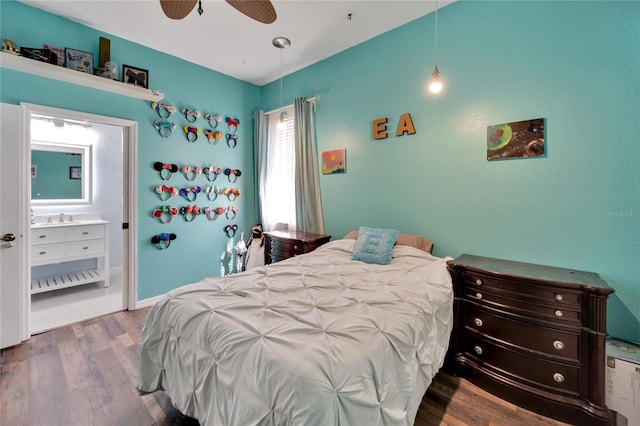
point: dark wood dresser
(532, 335)
(280, 245)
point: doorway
(106, 177)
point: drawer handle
(85, 233)
(478, 350)
(558, 377)
(295, 247)
(85, 248)
(479, 295)
(559, 297)
(42, 236)
(477, 322)
(43, 252)
(558, 345)
(558, 313)
(479, 281)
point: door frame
(13, 303)
(129, 194)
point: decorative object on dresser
(280, 245)
(533, 335)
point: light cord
(281, 81)
(435, 48)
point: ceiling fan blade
(260, 10)
(177, 9)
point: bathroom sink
(65, 223)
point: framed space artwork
(520, 139)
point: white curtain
(261, 132)
(276, 176)
(286, 164)
(308, 207)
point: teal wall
(201, 245)
(574, 63)
(577, 64)
(52, 180)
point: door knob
(9, 237)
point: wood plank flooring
(84, 374)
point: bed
(317, 339)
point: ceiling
(226, 41)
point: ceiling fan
(260, 10)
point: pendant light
(281, 43)
(436, 84)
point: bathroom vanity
(56, 239)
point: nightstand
(280, 245)
(533, 335)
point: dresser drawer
(81, 248)
(536, 371)
(287, 247)
(46, 253)
(535, 337)
(532, 290)
(78, 233)
(46, 236)
(541, 308)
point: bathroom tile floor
(58, 308)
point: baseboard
(144, 303)
(115, 270)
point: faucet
(61, 217)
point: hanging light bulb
(435, 86)
(281, 43)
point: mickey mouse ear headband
(164, 128)
(231, 230)
(213, 120)
(232, 124)
(163, 110)
(166, 169)
(163, 240)
(232, 172)
(190, 115)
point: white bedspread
(316, 339)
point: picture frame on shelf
(59, 51)
(135, 76)
(75, 172)
(42, 55)
(78, 60)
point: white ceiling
(224, 40)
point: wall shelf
(43, 69)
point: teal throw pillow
(375, 245)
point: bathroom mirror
(60, 173)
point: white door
(14, 195)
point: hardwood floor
(84, 374)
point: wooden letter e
(380, 128)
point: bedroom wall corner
(201, 246)
(576, 207)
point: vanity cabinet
(66, 242)
(533, 335)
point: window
(280, 203)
